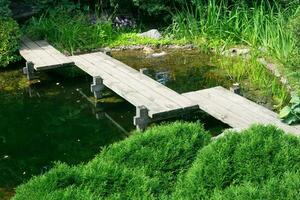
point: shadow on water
(55, 118)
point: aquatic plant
(145, 165)
(259, 163)
(9, 41)
(252, 75)
(290, 114)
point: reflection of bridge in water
(153, 100)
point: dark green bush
(144, 166)
(9, 41)
(260, 163)
(69, 29)
(4, 8)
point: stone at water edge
(236, 52)
(148, 50)
(157, 55)
(153, 33)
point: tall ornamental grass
(260, 25)
(69, 29)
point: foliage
(4, 8)
(70, 30)
(43, 5)
(145, 165)
(259, 163)
(291, 114)
(9, 41)
(253, 76)
(262, 25)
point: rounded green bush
(9, 41)
(245, 166)
(144, 166)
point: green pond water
(55, 118)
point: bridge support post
(141, 120)
(97, 87)
(29, 70)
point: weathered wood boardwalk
(40, 55)
(153, 101)
(236, 111)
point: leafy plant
(4, 8)
(69, 29)
(9, 41)
(291, 114)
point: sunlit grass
(260, 26)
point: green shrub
(260, 162)
(277, 188)
(144, 166)
(4, 8)
(9, 41)
(69, 29)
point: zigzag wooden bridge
(153, 101)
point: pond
(55, 118)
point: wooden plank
(218, 111)
(240, 110)
(168, 93)
(61, 58)
(235, 110)
(123, 90)
(260, 113)
(138, 85)
(39, 53)
(29, 56)
(244, 102)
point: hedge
(144, 166)
(259, 163)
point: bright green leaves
(9, 41)
(291, 113)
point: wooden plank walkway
(42, 55)
(153, 101)
(236, 111)
(135, 87)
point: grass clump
(259, 162)
(258, 25)
(253, 76)
(69, 29)
(144, 166)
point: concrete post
(141, 120)
(29, 70)
(97, 87)
(235, 88)
(144, 71)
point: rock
(157, 55)
(153, 33)
(148, 50)
(237, 52)
(106, 51)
